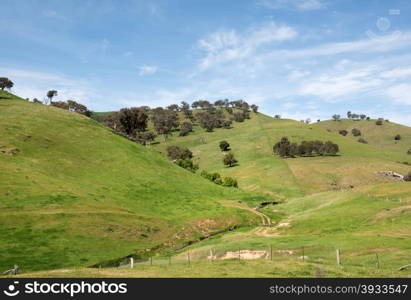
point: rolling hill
(261, 171)
(73, 193)
(380, 136)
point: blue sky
(297, 58)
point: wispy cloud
(34, 84)
(400, 93)
(293, 4)
(227, 45)
(147, 70)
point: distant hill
(259, 170)
(381, 136)
(73, 193)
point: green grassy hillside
(260, 170)
(73, 193)
(370, 225)
(381, 136)
(363, 223)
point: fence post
(378, 260)
(338, 256)
(188, 258)
(169, 260)
(131, 262)
(151, 260)
(239, 255)
(271, 252)
(303, 254)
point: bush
(378, 122)
(227, 123)
(356, 132)
(409, 152)
(187, 164)
(407, 177)
(229, 160)
(224, 146)
(175, 152)
(229, 181)
(216, 178)
(284, 148)
(397, 137)
(238, 117)
(361, 140)
(185, 128)
(343, 132)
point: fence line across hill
(323, 256)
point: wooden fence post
(131, 263)
(151, 260)
(303, 254)
(271, 252)
(169, 260)
(338, 256)
(378, 260)
(188, 258)
(239, 255)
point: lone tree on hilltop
(336, 117)
(51, 94)
(5, 83)
(229, 160)
(224, 146)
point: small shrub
(216, 178)
(224, 146)
(343, 132)
(238, 117)
(175, 152)
(229, 181)
(409, 152)
(186, 128)
(187, 164)
(227, 123)
(229, 160)
(397, 137)
(378, 122)
(356, 132)
(407, 177)
(361, 140)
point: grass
(261, 171)
(362, 223)
(76, 194)
(380, 136)
(279, 267)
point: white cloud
(296, 74)
(397, 73)
(400, 93)
(147, 70)
(293, 4)
(227, 45)
(33, 84)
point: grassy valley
(74, 193)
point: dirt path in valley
(266, 221)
